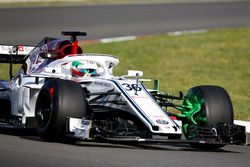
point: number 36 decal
(130, 87)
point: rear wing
(14, 54)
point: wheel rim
(193, 110)
(44, 109)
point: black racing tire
(57, 100)
(216, 106)
(5, 109)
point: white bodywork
(26, 85)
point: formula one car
(64, 93)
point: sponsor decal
(86, 122)
(157, 116)
(20, 48)
(162, 121)
(102, 84)
(140, 97)
(6, 49)
(43, 50)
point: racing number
(129, 87)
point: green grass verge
(219, 57)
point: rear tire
(57, 100)
(217, 107)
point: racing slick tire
(217, 107)
(58, 100)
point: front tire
(216, 107)
(57, 100)
(216, 104)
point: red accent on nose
(173, 117)
(51, 91)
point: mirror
(134, 73)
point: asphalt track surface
(29, 25)
(18, 151)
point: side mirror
(134, 73)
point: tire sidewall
(215, 103)
(67, 100)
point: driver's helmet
(83, 69)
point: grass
(219, 57)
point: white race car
(64, 93)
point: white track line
(177, 33)
(133, 37)
(118, 39)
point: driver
(83, 69)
